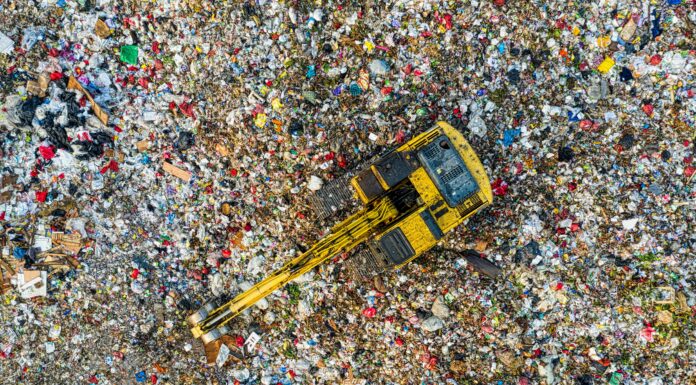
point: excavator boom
(343, 237)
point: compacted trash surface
(157, 154)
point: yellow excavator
(412, 197)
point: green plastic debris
(615, 379)
(129, 54)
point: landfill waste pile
(157, 154)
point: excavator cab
(436, 181)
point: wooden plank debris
(73, 84)
(176, 171)
(71, 242)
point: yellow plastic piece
(606, 65)
(603, 41)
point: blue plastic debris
(355, 89)
(19, 253)
(509, 136)
(311, 71)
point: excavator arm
(210, 323)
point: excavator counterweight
(412, 197)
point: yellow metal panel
(358, 190)
(417, 233)
(425, 187)
(379, 177)
(450, 220)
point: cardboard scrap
(213, 349)
(481, 246)
(31, 283)
(220, 148)
(39, 86)
(60, 261)
(628, 30)
(6, 273)
(73, 84)
(101, 29)
(70, 242)
(7, 181)
(142, 145)
(176, 171)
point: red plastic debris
(47, 152)
(400, 136)
(586, 124)
(112, 165)
(369, 312)
(342, 161)
(647, 333)
(689, 171)
(187, 109)
(499, 187)
(648, 109)
(41, 196)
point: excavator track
(364, 264)
(332, 198)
